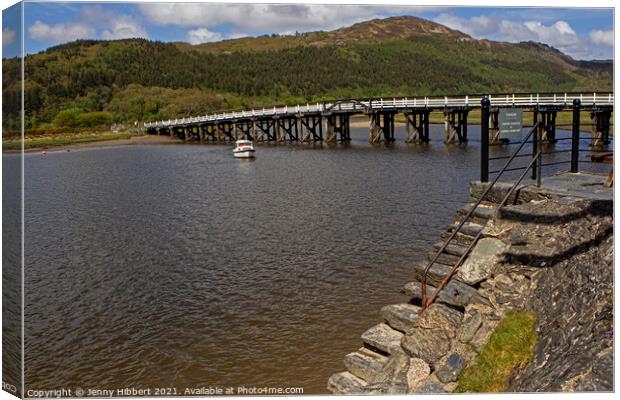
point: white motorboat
(243, 149)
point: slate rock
(432, 333)
(431, 388)
(400, 316)
(418, 371)
(345, 383)
(470, 325)
(392, 379)
(383, 337)
(450, 368)
(455, 293)
(364, 363)
(480, 262)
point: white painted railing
(501, 100)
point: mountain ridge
(139, 79)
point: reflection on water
(156, 266)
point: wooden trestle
(332, 124)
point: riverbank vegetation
(510, 346)
(85, 83)
(62, 139)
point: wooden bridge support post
(381, 124)
(448, 122)
(388, 127)
(547, 125)
(417, 126)
(455, 125)
(494, 126)
(601, 121)
(330, 134)
(311, 127)
(246, 130)
(345, 128)
(332, 128)
(266, 127)
(375, 128)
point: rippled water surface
(180, 266)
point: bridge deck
(404, 104)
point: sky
(583, 33)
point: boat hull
(244, 154)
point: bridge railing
(399, 103)
(572, 147)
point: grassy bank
(61, 140)
(511, 345)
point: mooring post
(574, 154)
(484, 139)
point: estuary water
(178, 266)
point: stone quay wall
(548, 254)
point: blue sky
(580, 32)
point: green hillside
(128, 80)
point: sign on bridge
(510, 122)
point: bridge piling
(600, 127)
(417, 124)
(547, 125)
(455, 125)
(494, 126)
(381, 124)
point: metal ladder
(537, 145)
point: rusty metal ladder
(537, 142)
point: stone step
(460, 238)
(400, 316)
(365, 363)
(383, 338)
(455, 293)
(468, 229)
(345, 383)
(452, 248)
(483, 211)
(435, 275)
(444, 258)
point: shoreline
(102, 142)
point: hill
(138, 79)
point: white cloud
(93, 22)
(202, 35)
(61, 32)
(249, 18)
(558, 34)
(8, 36)
(124, 27)
(602, 38)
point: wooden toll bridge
(309, 122)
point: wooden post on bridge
(455, 121)
(330, 121)
(494, 126)
(417, 126)
(375, 128)
(601, 121)
(378, 129)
